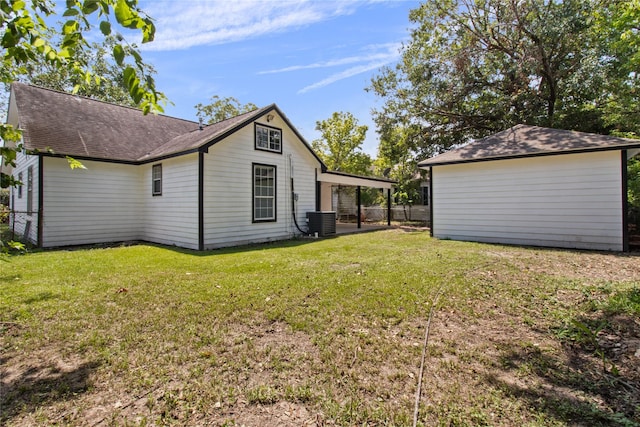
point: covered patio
(324, 203)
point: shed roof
(529, 141)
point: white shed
(534, 186)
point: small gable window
(268, 138)
(156, 180)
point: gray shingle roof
(64, 124)
(197, 138)
(529, 141)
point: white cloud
(374, 58)
(343, 75)
(181, 24)
(389, 54)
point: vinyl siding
(172, 218)
(228, 188)
(23, 221)
(571, 201)
(94, 205)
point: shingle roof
(529, 141)
(197, 138)
(64, 124)
(83, 127)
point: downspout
(625, 201)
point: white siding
(24, 223)
(228, 188)
(172, 218)
(110, 202)
(94, 205)
(572, 201)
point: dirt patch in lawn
(527, 344)
(590, 267)
(46, 378)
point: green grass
(333, 328)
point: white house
(534, 186)
(251, 178)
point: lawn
(319, 333)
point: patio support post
(358, 197)
(388, 206)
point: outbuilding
(534, 186)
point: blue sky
(311, 58)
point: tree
(619, 25)
(111, 86)
(221, 109)
(476, 67)
(340, 146)
(633, 187)
(396, 156)
(26, 40)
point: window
(29, 190)
(268, 138)
(20, 186)
(425, 196)
(156, 180)
(264, 193)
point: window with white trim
(268, 138)
(156, 180)
(264, 193)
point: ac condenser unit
(323, 223)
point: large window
(264, 193)
(156, 180)
(268, 138)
